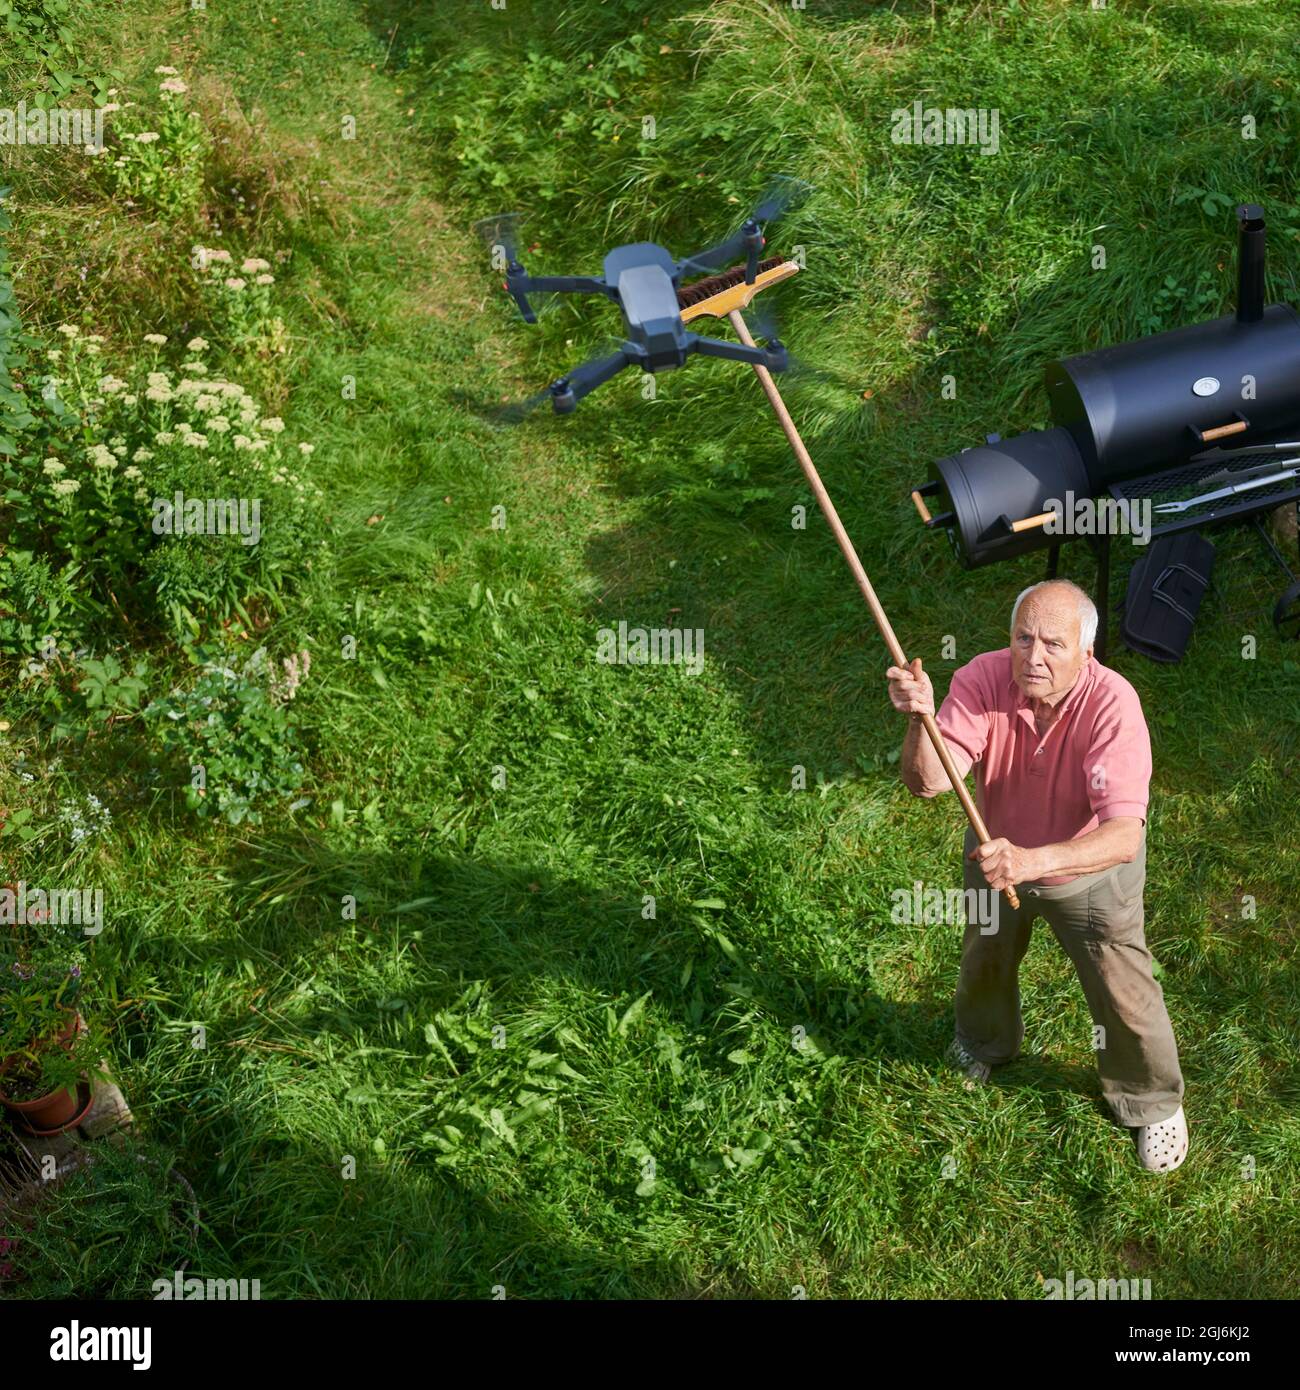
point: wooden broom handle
(864, 584)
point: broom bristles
(715, 284)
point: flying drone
(644, 281)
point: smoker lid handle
(1220, 431)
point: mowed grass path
(543, 1086)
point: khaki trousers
(1098, 920)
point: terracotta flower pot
(61, 1109)
(51, 1114)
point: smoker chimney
(1250, 263)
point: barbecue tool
(1229, 491)
(1251, 449)
(864, 584)
(1230, 475)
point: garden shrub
(231, 733)
(92, 490)
(157, 156)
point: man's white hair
(1087, 609)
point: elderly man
(1063, 765)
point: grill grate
(1174, 484)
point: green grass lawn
(447, 1048)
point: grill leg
(1103, 596)
(1053, 561)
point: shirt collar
(1076, 692)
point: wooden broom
(727, 294)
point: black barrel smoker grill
(1142, 420)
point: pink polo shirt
(1093, 764)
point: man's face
(1046, 657)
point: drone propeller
(516, 412)
(500, 234)
(566, 391)
(766, 328)
(783, 193)
(765, 324)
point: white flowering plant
(39, 544)
(85, 818)
(99, 489)
(71, 500)
(156, 156)
(237, 295)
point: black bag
(1165, 588)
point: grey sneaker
(976, 1072)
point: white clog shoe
(1163, 1146)
(975, 1071)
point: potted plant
(46, 1046)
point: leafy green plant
(158, 164)
(1212, 204)
(36, 600)
(38, 31)
(115, 1224)
(1175, 303)
(109, 689)
(103, 692)
(234, 738)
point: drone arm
(715, 257)
(556, 284)
(583, 380)
(519, 283)
(773, 358)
